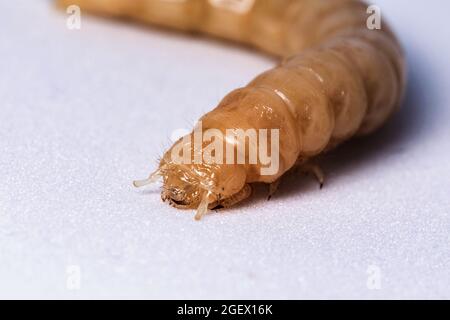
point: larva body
(337, 79)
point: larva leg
(312, 168)
(245, 193)
(273, 188)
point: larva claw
(316, 171)
(273, 188)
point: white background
(83, 113)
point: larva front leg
(316, 171)
(245, 193)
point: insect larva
(337, 79)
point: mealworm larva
(337, 79)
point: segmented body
(337, 78)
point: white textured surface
(84, 112)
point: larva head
(200, 186)
(196, 185)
